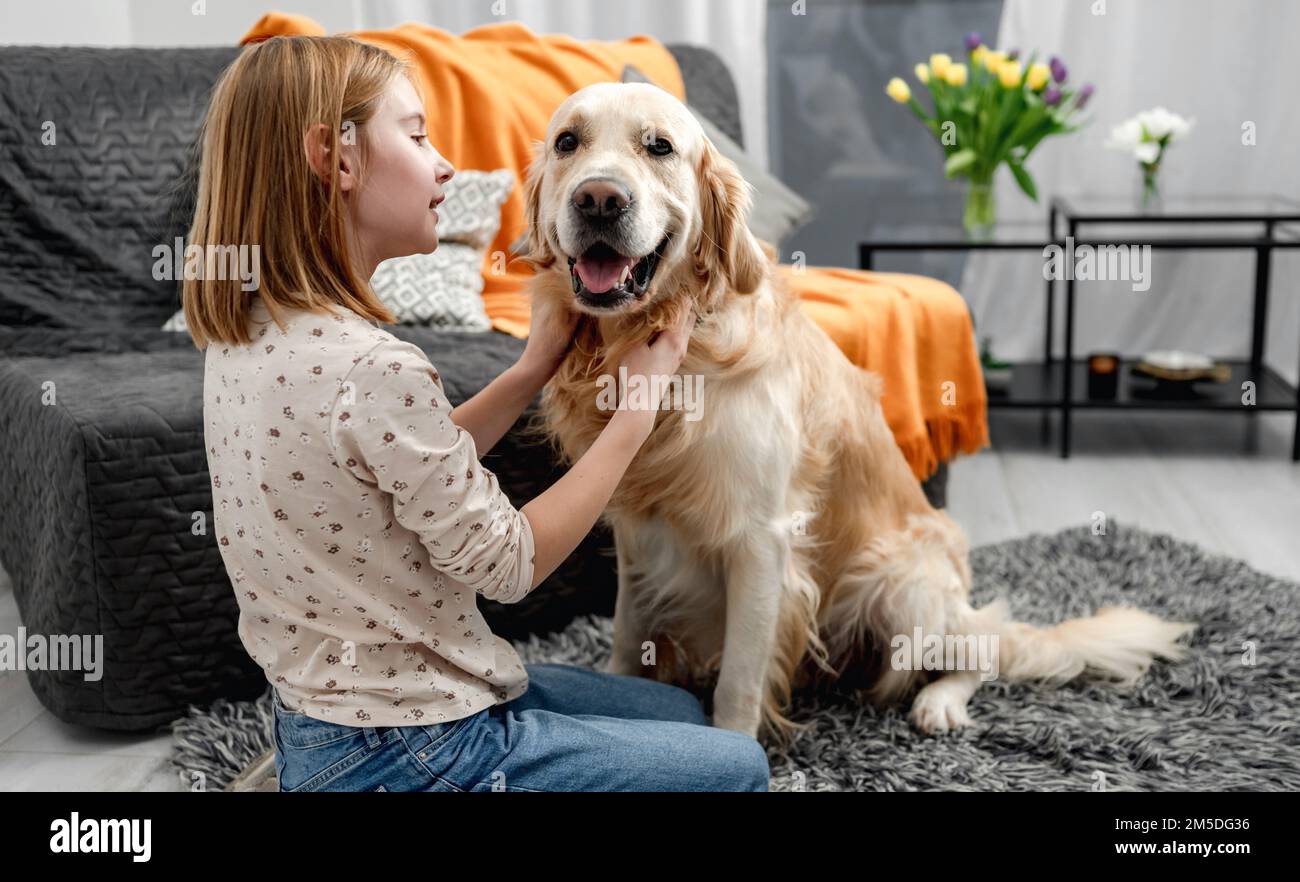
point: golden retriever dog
(773, 535)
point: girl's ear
(318, 144)
(532, 245)
(727, 250)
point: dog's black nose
(601, 198)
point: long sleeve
(391, 426)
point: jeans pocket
(309, 753)
(444, 758)
(318, 768)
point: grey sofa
(103, 479)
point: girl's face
(393, 208)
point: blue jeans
(574, 729)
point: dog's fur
(782, 538)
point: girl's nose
(445, 171)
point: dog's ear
(532, 245)
(727, 248)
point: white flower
(1147, 152)
(1160, 122)
(1155, 122)
(1143, 135)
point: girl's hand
(550, 334)
(660, 356)
(663, 353)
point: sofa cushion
(93, 142)
(441, 289)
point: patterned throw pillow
(441, 290)
(471, 213)
(444, 289)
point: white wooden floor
(1183, 474)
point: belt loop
(374, 735)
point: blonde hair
(256, 187)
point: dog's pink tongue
(601, 275)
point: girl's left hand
(549, 336)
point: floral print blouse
(357, 525)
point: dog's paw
(936, 711)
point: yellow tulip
(956, 75)
(922, 73)
(897, 89)
(1009, 74)
(939, 64)
(1038, 76)
(977, 54)
(993, 59)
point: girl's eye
(567, 142)
(659, 147)
(419, 138)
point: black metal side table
(1060, 385)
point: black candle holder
(1103, 376)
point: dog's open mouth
(602, 278)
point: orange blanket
(490, 93)
(917, 334)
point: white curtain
(1226, 65)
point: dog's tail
(911, 588)
(1115, 643)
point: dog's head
(630, 200)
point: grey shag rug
(1225, 718)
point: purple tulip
(973, 41)
(1059, 70)
(1084, 94)
(1052, 96)
(1013, 55)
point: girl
(353, 516)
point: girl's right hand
(662, 354)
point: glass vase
(1148, 187)
(980, 215)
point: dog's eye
(567, 142)
(659, 147)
